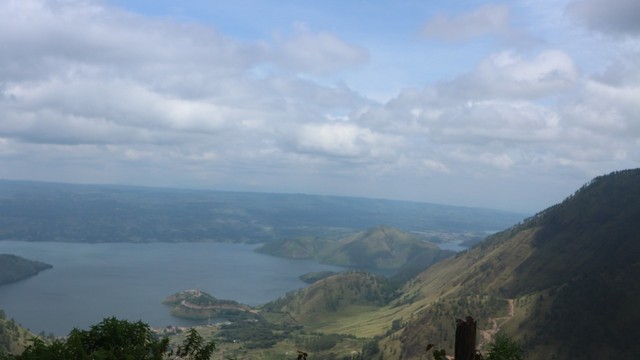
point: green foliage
(114, 339)
(438, 354)
(319, 342)
(504, 348)
(195, 348)
(596, 227)
(255, 334)
(380, 248)
(306, 247)
(370, 349)
(313, 277)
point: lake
(89, 282)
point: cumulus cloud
(498, 118)
(93, 93)
(486, 20)
(509, 75)
(345, 140)
(497, 121)
(606, 111)
(616, 17)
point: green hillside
(563, 283)
(305, 247)
(334, 297)
(14, 268)
(380, 248)
(13, 337)
(196, 304)
(568, 276)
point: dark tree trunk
(465, 339)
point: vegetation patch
(196, 304)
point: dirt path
(487, 335)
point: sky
(502, 104)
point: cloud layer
(93, 93)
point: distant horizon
(178, 188)
(492, 104)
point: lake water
(92, 281)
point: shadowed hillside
(563, 283)
(571, 271)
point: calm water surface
(91, 281)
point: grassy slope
(571, 271)
(378, 248)
(305, 247)
(13, 337)
(333, 298)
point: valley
(533, 281)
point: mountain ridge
(570, 269)
(380, 248)
(563, 283)
(103, 213)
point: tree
(114, 339)
(369, 349)
(194, 347)
(504, 348)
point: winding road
(486, 336)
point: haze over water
(91, 281)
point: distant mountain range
(36, 211)
(564, 283)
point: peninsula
(196, 304)
(15, 268)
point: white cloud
(607, 111)
(93, 93)
(486, 20)
(317, 52)
(345, 140)
(508, 75)
(435, 165)
(511, 122)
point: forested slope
(14, 268)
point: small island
(196, 304)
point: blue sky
(505, 104)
